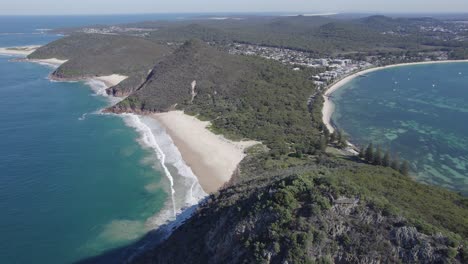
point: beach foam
(184, 187)
(213, 158)
(185, 190)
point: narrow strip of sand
(18, 51)
(111, 80)
(212, 158)
(49, 62)
(329, 107)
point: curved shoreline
(329, 106)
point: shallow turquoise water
(69, 187)
(419, 111)
(75, 183)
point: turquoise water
(73, 182)
(419, 112)
(69, 187)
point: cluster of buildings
(387, 59)
(333, 68)
(114, 30)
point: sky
(63, 7)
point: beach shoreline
(18, 50)
(108, 80)
(328, 105)
(212, 158)
(24, 51)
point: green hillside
(292, 201)
(92, 55)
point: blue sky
(13, 7)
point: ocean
(417, 111)
(74, 182)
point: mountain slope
(318, 214)
(292, 203)
(92, 55)
(244, 96)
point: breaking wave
(185, 189)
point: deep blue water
(31, 24)
(419, 112)
(71, 185)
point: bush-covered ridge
(324, 212)
(292, 202)
(244, 96)
(92, 55)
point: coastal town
(333, 68)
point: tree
(370, 153)
(326, 132)
(395, 164)
(386, 159)
(404, 169)
(333, 137)
(322, 143)
(378, 156)
(339, 136)
(343, 142)
(362, 153)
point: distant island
(283, 187)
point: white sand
(329, 107)
(50, 62)
(212, 158)
(111, 80)
(18, 51)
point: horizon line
(290, 13)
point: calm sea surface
(419, 112)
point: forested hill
(245, 96)
(327, 211)
(296, 198)
(292, 201)
(323, 36)
(92, 55)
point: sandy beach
(329, 107)
(108, 80)
(24, 51)
(18, 51)
(111, 80)
(49, 62)
(212, 158)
